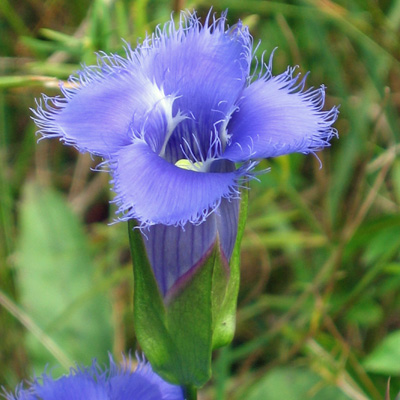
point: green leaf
(365, 312)
(385, 359)
(57, 280)
(294, 384)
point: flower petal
(205, 67)
(141, 384)
(119, 382)
(80, 386)
(174, 251)
(277, 117)
(101, 107)
(227, 218)
(154, 191)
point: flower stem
(190, 392)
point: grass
(319, 304)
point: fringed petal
(118, 382)
(77, 386)
(205, 66)
(142, 384)
(276, 116)
(103, 107)
(154, 191)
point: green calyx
(178, 334)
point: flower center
(190, 165)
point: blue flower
(181, 122)
(118, 382)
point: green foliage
(385, 358)
(293, 383)
(57, 281)
(319, 300)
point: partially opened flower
(118, 382)
(181, 122)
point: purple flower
(118, 382)
(180, 123)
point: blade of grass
(48, 343)
(12, 17)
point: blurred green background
(319, 306)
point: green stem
(190, 392)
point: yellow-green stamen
(189, 165)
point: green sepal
(175, 336)
(149, 310)
(178, 333)
(225, 311)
